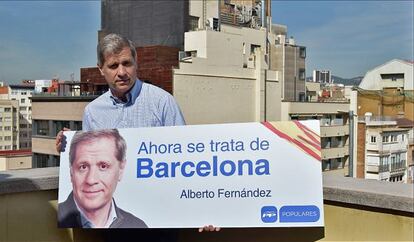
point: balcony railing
(378, 118)
(68, 94)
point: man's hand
(209, 228)
(61, 140)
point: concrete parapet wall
(355, 210)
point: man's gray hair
(89, 136)
(113, 44)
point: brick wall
(155, 64)
(4, 90)
(360, 169)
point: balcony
(332, 153)
(337, 130)
(353, 207)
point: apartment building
(9, 124)
(334, 129)
(385, 148)
(386, 92)
(217, 84)
(22, 93)
(19, 97)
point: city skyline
(56, 39)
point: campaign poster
(229, 175)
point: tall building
(146, 23)
(322, 76)
(150, 23)
(9, 124)
(22, 93)
(289, 60)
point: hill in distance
(345, 81)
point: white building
(322, 76)
(9, 125)
(393, 74)
(22, 94)
(386, 148)
(19, 118)
(41, 86)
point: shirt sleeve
(171, 113)
(86, 122)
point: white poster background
(295, 178)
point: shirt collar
(88, 224)
(132, 95)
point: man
(129, 103)
(97, 162)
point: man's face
(120, 72)
(95, 173)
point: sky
(47, 39)
(53, 39)
(348, 37)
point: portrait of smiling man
(97, 162)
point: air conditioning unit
(213, 23)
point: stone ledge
(371, 193)
(28, 180)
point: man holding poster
(97, 162)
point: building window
(193, 23)
(393, 138)
(302, 74)
(7, 128)
(22, 100)
(373, 139)
(23, 93)
(42, 127)
(302, 52)
(385, 139)
(7, 147)
(7, 110)
(77, 125)
(402, 137)
(22, 108)
(23, 126)
(60, 125)
(302, 96)
(253, 48)
(40, 160)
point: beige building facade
(225, 77)
(289, 60)
(50, 115)
(15, 159)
